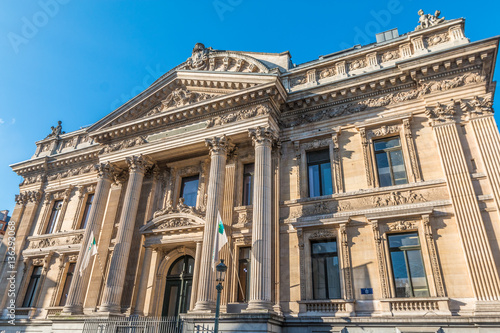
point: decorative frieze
(243, 114)
(124, 144)
(402, 226)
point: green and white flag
(220, 240)
(90, 251)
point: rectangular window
(33, 286)
(390, 162)
(407, 266)
(248, 174)
(189, 190)
(86, 211)
(325, 270)
(320, 174)
(54, 215)
(244, 274)
(67, 284)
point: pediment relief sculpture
(178, 98)
(181, 208)
(208, 59)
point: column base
(70, 310)
(259, 306)
(203, 307)
(111, 309)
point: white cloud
(1, 121)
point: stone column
(260, 270)
(194, 290)
(76, 295)
(118, 265)
(143, 282)
(206, 287)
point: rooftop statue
(428, 20)
(199, 57)
(56, 131)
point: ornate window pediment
(173, 220)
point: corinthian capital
(219, 145)
(139, 163)
(104, 170)
(262, 135)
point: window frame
(248, 274)
(54, 220)
(36, 290)
(181, 190)
(387, 152)
(324, 255)
(326, 161)
(249, 201)
(408, 271)
(66, 272)
(85, 215)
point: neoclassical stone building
(359, 191)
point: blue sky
(77, 60)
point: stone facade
(126, 176)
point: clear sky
(78, 60)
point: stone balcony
(329, 307)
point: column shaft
(143, 282)
(206, 288)
(260, 271)
(78, 288)
(118, 266)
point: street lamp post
(221, 274)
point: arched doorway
(178, 287)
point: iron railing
(133, 324)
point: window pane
(387, 143)
(324, 247)
(189, 190)
(319, 278)
(67, 284)
(384, 171)
(398, 167)
(401, 281)
(332, 267)
(400, 240)
(88, 205)
(248, 174)
(314, 189)
(318, 156)
(53, 216)
(32, 287)
(172, 302)
(326, 179)
(417, 272)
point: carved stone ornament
(397, 198)
(428, 20)
(323, 233)
(219, 145)
(127, 143)
(319, 208)
(41, 243)
(441, 112)
(77, 239)
(402, 225)
(40, 178)
(38, 261)
(477, 106)
(298, 80)
(139, 163)
(384, 130)
(199, 57)
(438, 39)
(262, 135)
(105, 170)
(248, 113)
(326, 72)
(29, 196)
(425, 87)
(181, 208)
(73, 258)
